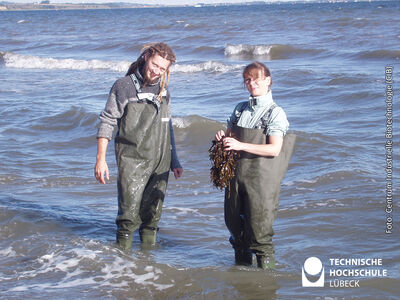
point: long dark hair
(150, 50)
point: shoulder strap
(139, 89)
(265, 119)
(136, 83)
(240, 108)
(145, 96)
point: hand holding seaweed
(223, 164)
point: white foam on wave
(126, 269)
(182, 210)
(208, 66)
(20, 61)
(181, 122)
(8, 252)
(85, 267)
(302, 181)
(255, 50)
(185, 122)
(307, 205)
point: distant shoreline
(9, 6)
(68, 6)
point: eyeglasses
(256, 81)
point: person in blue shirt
(257, 130)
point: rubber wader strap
(264, 119)
(148, 96)
(136, 83)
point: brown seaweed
(223, 164)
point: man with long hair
(139, 107)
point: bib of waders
(143, 152)
(251, 203)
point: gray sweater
(121, 92)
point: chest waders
(143, 152)
(252, 203)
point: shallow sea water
(328, 66)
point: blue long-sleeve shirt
(254, 110)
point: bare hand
(232, 144)
(219, 135)
(177, 172)
(101, 170)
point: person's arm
(101, 167)
(271, 149)
(175, 165)
(114, 110)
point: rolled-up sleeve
(278, 123)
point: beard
(147, 79)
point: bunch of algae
(223, 164)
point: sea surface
(331, 66)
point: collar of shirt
(260, 101)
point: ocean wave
(73, 118)
(194, 121)
(271, 52)
(346, 80)
(93, 265)
(379, 54)
(195, 131)
(209, 66)
(2, 61)
(77, 127)
(207, 49)
(20, 61)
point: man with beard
(139, 107)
